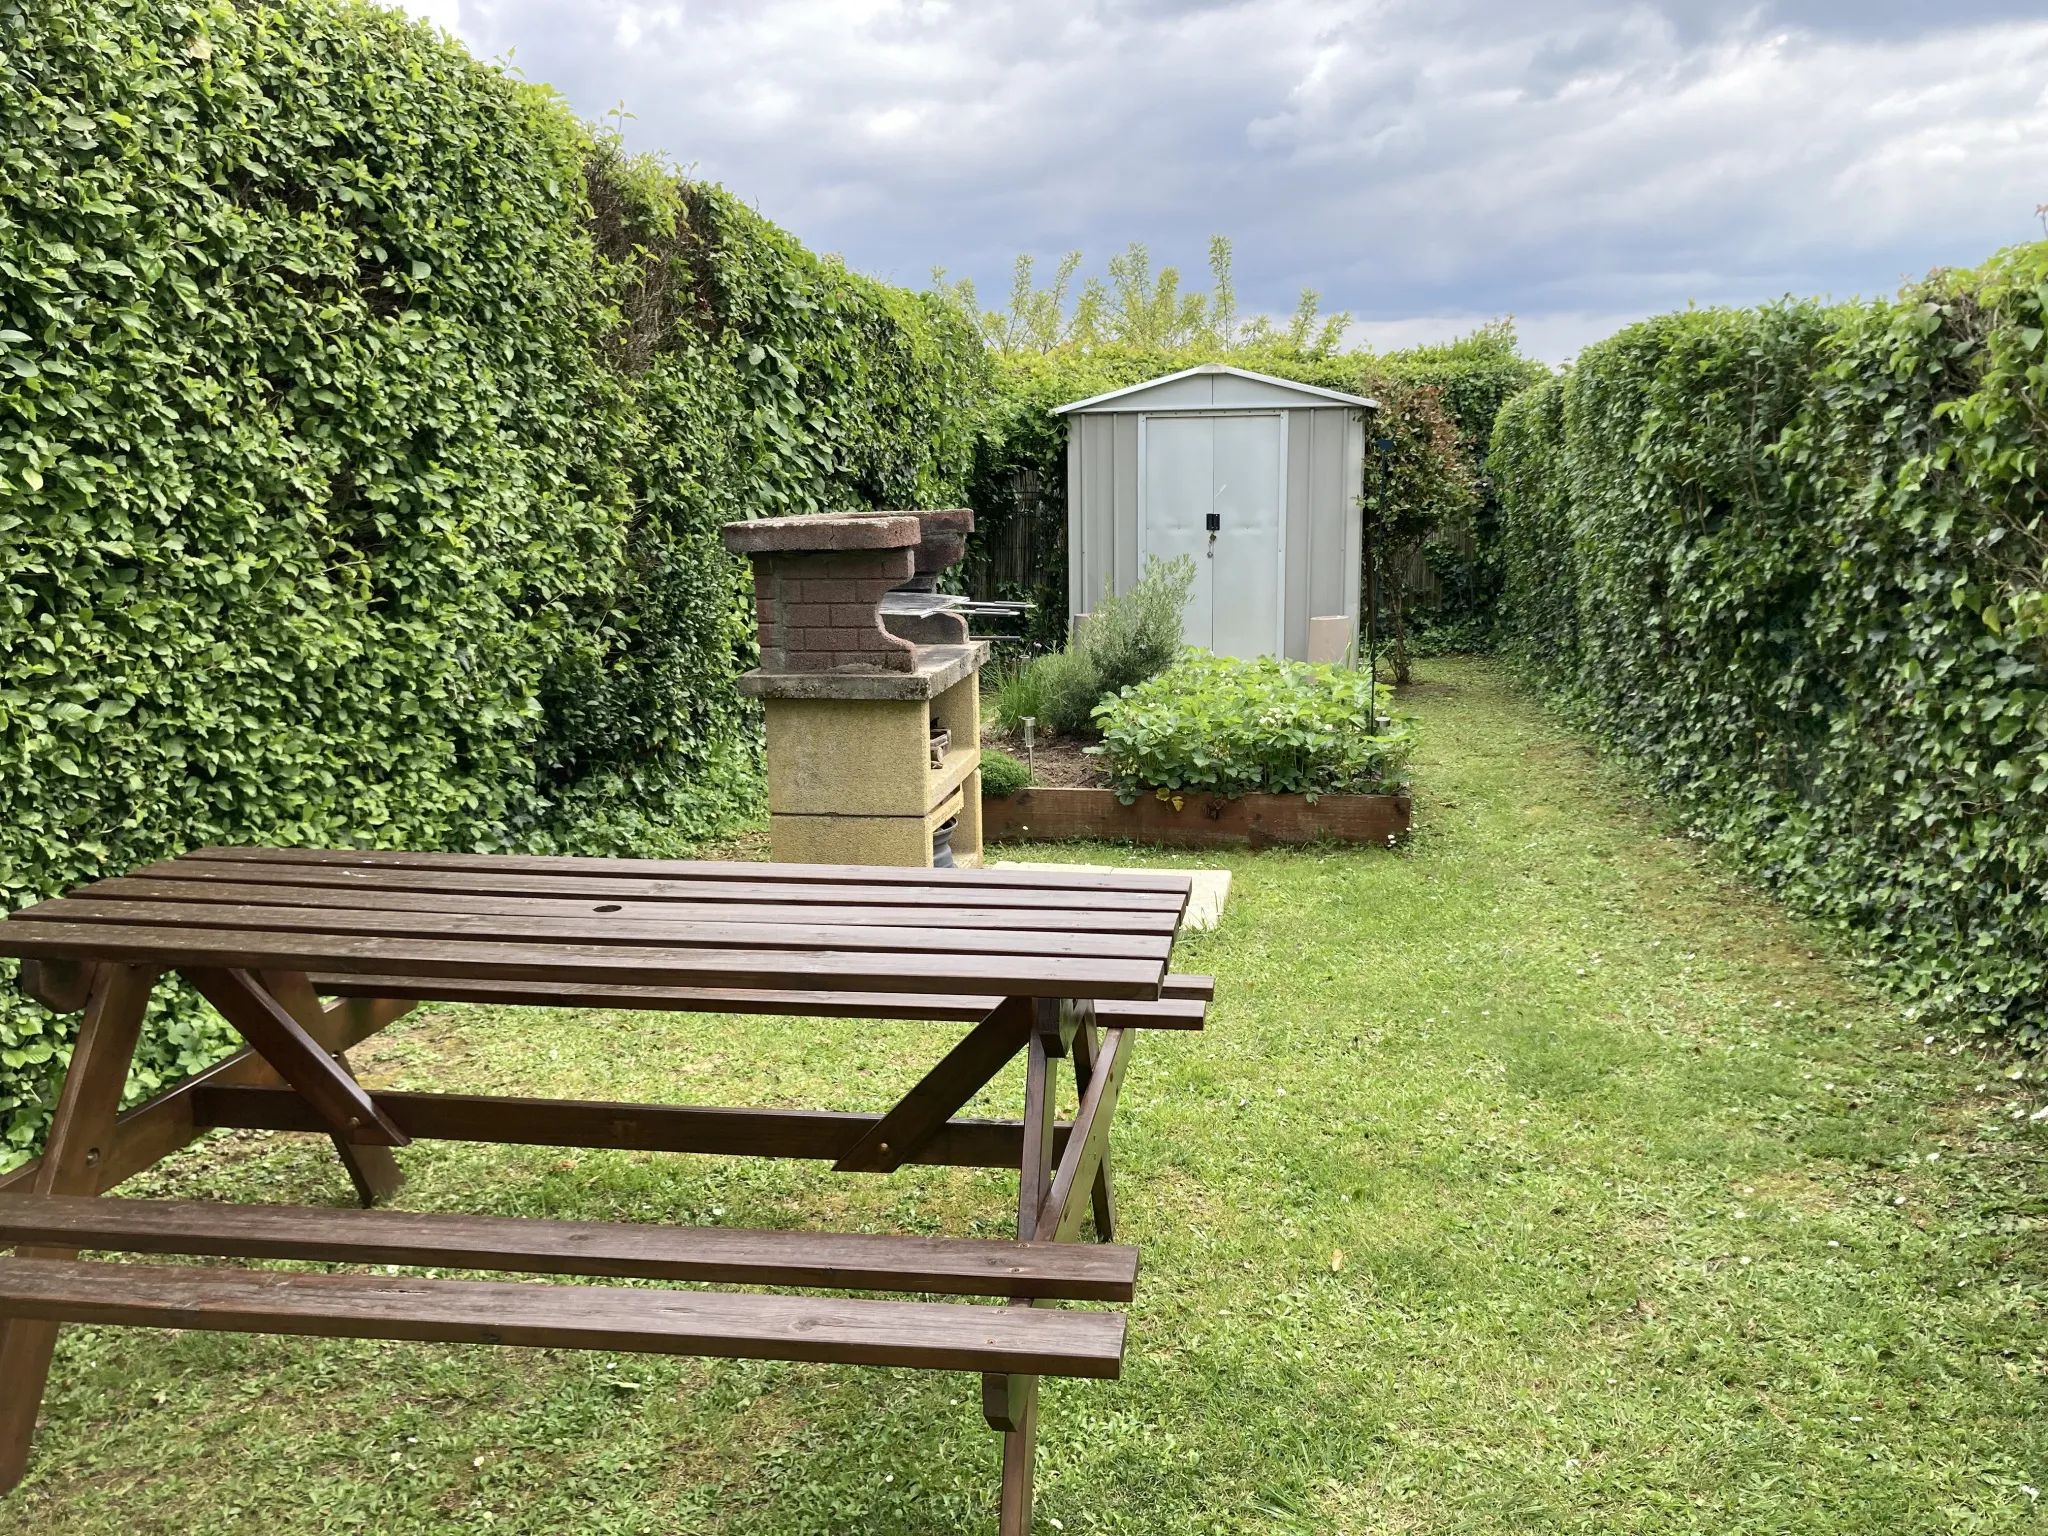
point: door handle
(1215, 521)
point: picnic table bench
(308, 952)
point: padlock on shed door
(1215, 527)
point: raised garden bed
(1193, 820)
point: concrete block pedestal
(850, 777)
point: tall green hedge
(1794, 560)
(365, 422)
(1474, 376)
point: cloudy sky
(1424, 164)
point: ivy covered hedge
(364, 427)
(1794, 560)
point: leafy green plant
(1784, 558)
(1215, 725)
(1002, 774)
(1126, 640)
(1069, 686)
(1137, 309)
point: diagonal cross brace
(942, 1092)
(1088, 1059)
(351, 1114)
(1087, 1150)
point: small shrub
(1002, 774)
(1215, 725)
(1137, 636)
(1016, 693)
(1126, 640)
(1071, 687)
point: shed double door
(1214, 489)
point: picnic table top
(1081, 933)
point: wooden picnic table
(307, 952)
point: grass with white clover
(1536, 1178)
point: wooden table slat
(1075, 878)
(934, 1335)
(619, 1250)
(748, 969)
(489, 880)
(1169, 1011)
(236, 893)
(619, 929)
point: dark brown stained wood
(935, 1335)
(908, 1128)
(150, 1132)
(1057, 1020)
(752, 970)
(1041, 1093)
(62, 986)
(1154, 1013)
(1102, 1197)
(598, 888)
(81, 1131)
(1059, 1218)
(621, 929)
(1164, 1013)
(1077, 878)
(345, 1110)
(722, 1255)
(1006, 1399)
(358, 1018)
(935, 1006)
(372, 1170)
(239, 893)
(1197, 988)
(1011, 1406)
(1020, 1450)
(799, 1133)
(1202, 821)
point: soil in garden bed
(1057, 761)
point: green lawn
(1537, 1178)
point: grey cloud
(1417, 158)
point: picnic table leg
(79, 1135)
(1020, 1446)
(1010, 1399)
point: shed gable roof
(1215, 386)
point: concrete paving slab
(1205, 902)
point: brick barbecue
(821, 586)
(869, 684)
(818, 588)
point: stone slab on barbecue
(823, 533)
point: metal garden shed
(1257, 478)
